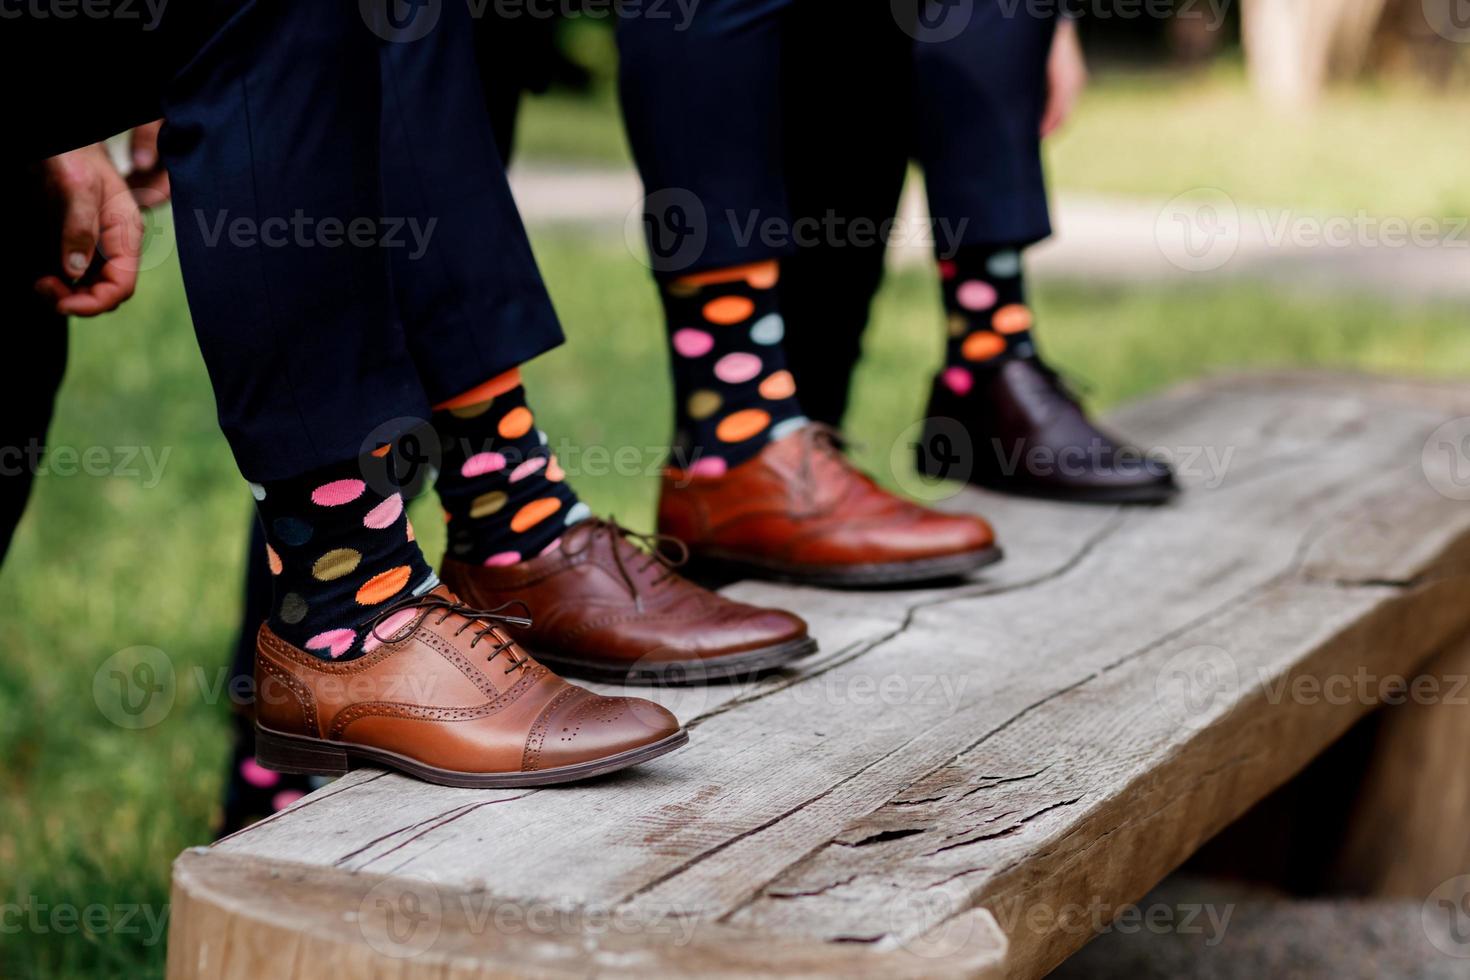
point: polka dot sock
(733, 393)
(340, 549)
(504, 494)
(985, 301)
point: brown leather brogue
(1020, 431)
(609, 605)
(800, 511)
(445, 695)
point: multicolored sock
(732, 391)
(985, 299)
(504, 494)
(340, 549)
(253, 792)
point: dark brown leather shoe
(608, 609)
(800, 511)
(1019, 431)
(445, 695)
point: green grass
(92, 814)
(1390, 151)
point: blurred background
(1242, 186)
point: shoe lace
(825, 441)
(645, 550)
(485, 622)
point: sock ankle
(341, 550)
(733, 393)
(985, 304)
(503, 492)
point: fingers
(80, 222)
(144, 143)
(119, 233)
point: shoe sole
(748, 663)
(1150, 494)
(720, 566)
(299, 754)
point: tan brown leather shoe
(445, 695)
(800, 511)
(609, 606)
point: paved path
(1201, 236)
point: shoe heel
(299, 756)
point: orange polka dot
(764, 275)
(554, 472)
(728, 309)
(409, 524)
(982, 346)
(742, 425)
(383, 450)
(534, 513)
(779, 385)
(273, 560)
(448, 517)
(516, 423)
(384, 585)
(1012, 318)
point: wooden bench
(961, 775)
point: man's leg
(757, 488)
(516, 528)
(848, 140)
(979, 99)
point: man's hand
(148, 179)
(1066, 76)
(98, 211)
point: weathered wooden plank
(1018, 744)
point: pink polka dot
(958, 380)
(285, 798)
(257, 775)
(385, 513)
(551, 547)
(527, 468)
(692, 343)
(335, 642)
(976, 295)
(482, 463)
(337, 493)
(387, 628)
(947, 269)
(709, 466)
(735, 368)
(503, 559)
